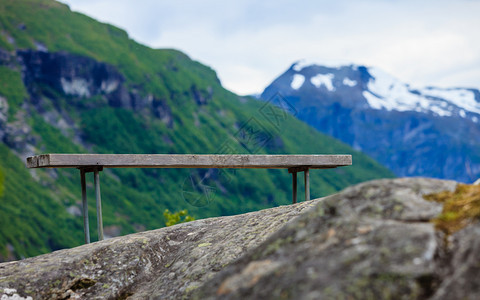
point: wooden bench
(97, 162)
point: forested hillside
(69, 84)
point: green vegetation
(2, 178)
(32, 217)
(176, 218)
(39, 209)
(12, 88)
(460, 208)
(55, 26)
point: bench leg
(86, 228)
(294, 187)
(307, 185)
(96, 179)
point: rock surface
(167, 263)
(373, 240)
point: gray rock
(168, 262)
(463, 270)
(373, 240)
(3, 116)
(3, 110)
(18, 135)
(74, 210)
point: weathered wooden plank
(188, 161)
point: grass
(2, 178)
(12, 88)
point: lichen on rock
(460, 208)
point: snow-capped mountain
(429, 131)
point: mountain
(69, 84)
(432, 132)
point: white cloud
(250, 42)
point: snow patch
(374, 101)
(461, 98)
(323, 79)
(349, 82)
(441, 112)
(394, 95)
(299, 65)
(386, 92)
(297, 81)
(336, 64)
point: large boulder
(168, 262)
(373, 240)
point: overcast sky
(250, 42)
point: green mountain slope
(69, 84)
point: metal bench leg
(307, 184)
(96, 179)
(294, 187)
(86, 228)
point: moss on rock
(460, 207)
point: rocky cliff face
(373, 240)
(81, 78)
(431, 132)
(74, 75)
(85, 82)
